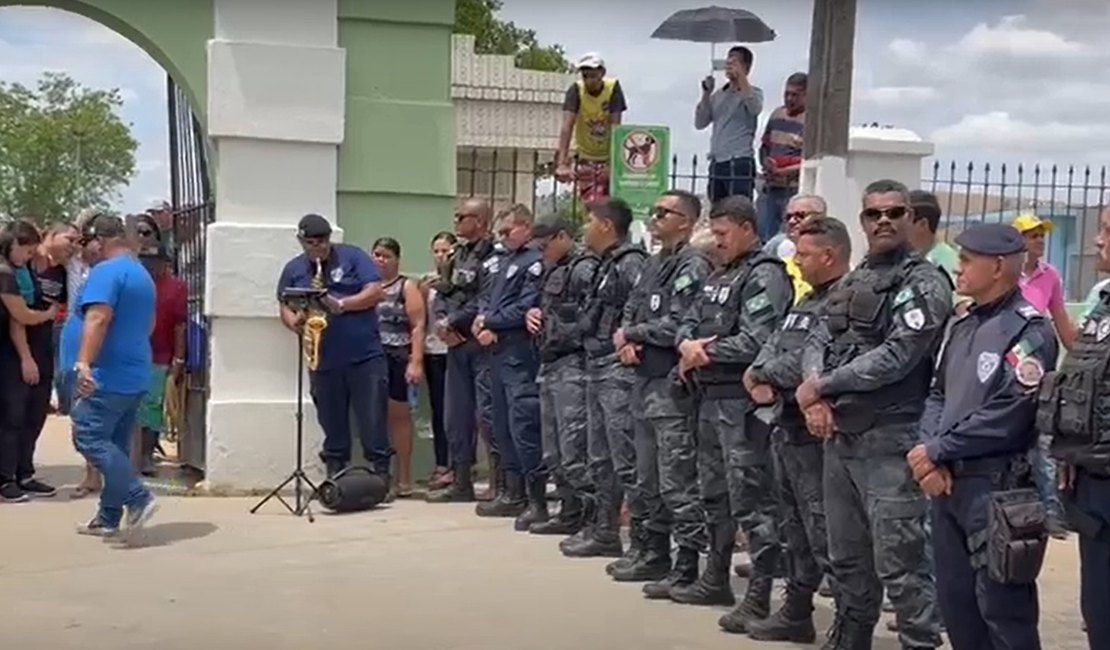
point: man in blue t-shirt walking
(107, 337)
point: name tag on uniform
(493, 264)
(512, 270)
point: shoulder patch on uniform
(536, 269)
(757, 303)
(914, 319)
(904, 296)
(683, 282)
(1028, 311)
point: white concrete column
(874, 153)
(275, 115)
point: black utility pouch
(1017, 541)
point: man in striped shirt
(781, 155)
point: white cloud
(999, 130)
(908, 50)
(898, 96)
(1012, 38)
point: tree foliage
(63, 148)
(495, 36)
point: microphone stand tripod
(298, 478)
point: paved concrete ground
(410, 576)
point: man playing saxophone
(342, 346)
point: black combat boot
(510, 503)
(792, 622)
(634, 550)
(755, 606)
(536, 488)
(496, 478)
(684, 573)
(602, 539)
(568, 521)
(461, 489)
(653, 563)
(847, 634)
(589, 521)
(712, 586)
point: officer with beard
(567, 283)
(612, 456)
(1076, 412)
(823, 252)
(741, 305)
(666, 452)
(874, 348)
(976, 432)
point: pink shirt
(1043, 288)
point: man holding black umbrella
(734, 112)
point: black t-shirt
(54, 287)
(9, 286)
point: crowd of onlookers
(43, 270)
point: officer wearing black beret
(978, 425)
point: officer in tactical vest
(823, 251)
(567, 283)
(467, 363)
(612, 457)
(988, 522)
(742, 303)
(500, 327)
(874, 350)
(1074, 407)
(666, 451)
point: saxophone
(314, 325)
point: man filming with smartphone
(733, 110)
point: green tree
(495, 36)
(63, 148)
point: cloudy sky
(991, 80)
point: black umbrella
(714, 25)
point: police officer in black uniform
(1075, 408)
(466, 360)
(567, 282)
(977, 428)
(666, 450)
(500, 326)
(612, 456)
(742, 303)
(824, 249)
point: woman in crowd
(1042, 287)
(26, 362)
(401, 318)
(77, 271)
(435, 361)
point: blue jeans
(772, 204)
(1044, 475)
(102, 426)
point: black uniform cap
(995, 239)
(313, 226)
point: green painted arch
(175, 34)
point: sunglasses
(893, 214)
(662, 213)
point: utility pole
(829, 93)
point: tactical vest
(393, 320)
(561, 310)
(795, 330)
(655, 361)
(606, 305)
(1074, 402)
(464, 281)
(860, 313)
(719, 313)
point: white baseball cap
(590, 60)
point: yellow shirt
(801, 287)
(593, 123)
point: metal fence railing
(1071, 197)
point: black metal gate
(193, 210)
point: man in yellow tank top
(590, 109)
